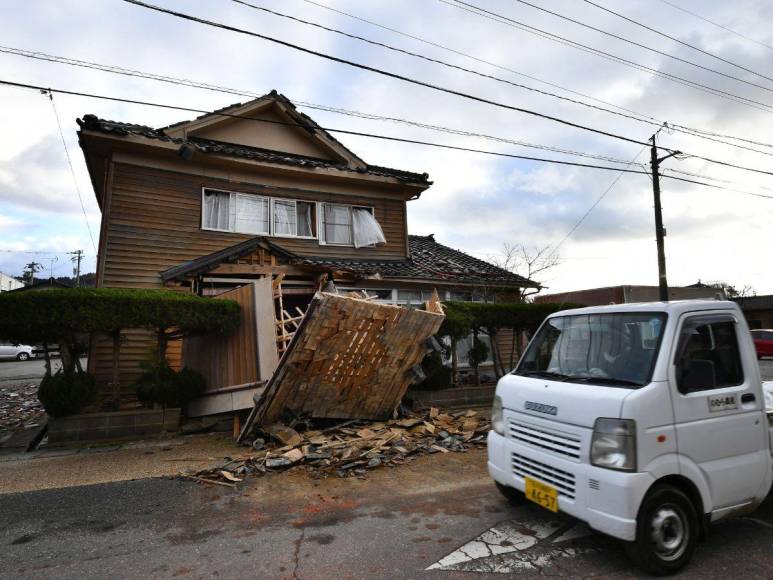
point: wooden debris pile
(353, 448)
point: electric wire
(308, 126)
(357, 133)
(472, 9)
(379, 71)
(420, 82)
(717, 24)
(645, 117)
(593, 206)
(673, 38)
(644, 46)
(72, 170)
(114, 69)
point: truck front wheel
(666, 531)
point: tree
(730, 289)
(531, 262)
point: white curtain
(305, 217)
(367, 230)
(215, 210)
(284, 218)
(249, 214)
(338, 224)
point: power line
(309, 126)
(592, 207)
(472, 9)
(369, 135)
(683, 43)
(645, 117)
(477, 73)
(381, 71)
(72, 171)
(644, 46)
(113, 69)
(419, 82)
(717, 24)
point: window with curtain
(249, 214)
(285, 219)
(367, 231)
(307, 219)
(215, 210)
(337, 224)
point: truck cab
(646, 421)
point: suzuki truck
(646, 421)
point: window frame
(271, 233)
(700, 319)
(350, 207)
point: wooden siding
(152, 222)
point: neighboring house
(40, 285)
(9, 283)
(207, 205)
(758, 310)
(628, 294)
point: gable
(273, 136)
(308, 140)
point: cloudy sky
(477, 202)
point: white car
(16, 351)
(647, 421)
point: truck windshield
(616, 349)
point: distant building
(9, 283)
(758, 310)
(629, 294)
(49, 284)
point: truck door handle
(747, 398)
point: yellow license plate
(542, 494)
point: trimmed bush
(159, 384)
(67, 393)
(463, 317)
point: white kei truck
(646, 421)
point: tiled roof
(429, 261)
(93, 123)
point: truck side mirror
(698, 375)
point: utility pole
(31, 268)
(660, 231)
(77, 256)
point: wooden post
(116, 376)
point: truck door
(718, 411)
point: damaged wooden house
(257, 203)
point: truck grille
(547, 440)
(562, 480)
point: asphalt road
(437, 518)
(32, 370)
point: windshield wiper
(604, 381)
(545, 374)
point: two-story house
(253, 190)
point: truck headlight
(614, 444)
(497, 418)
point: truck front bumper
(607, 500)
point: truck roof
(673, 307)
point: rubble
(19, 407)
(353, 448)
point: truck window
(708, 356)
(614, 349)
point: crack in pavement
(297, 553)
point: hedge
(49, 315)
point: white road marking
(504, 548)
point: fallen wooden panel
(348, 359)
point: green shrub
(463, 317)
(67, 393)
(160, 384)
